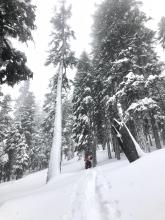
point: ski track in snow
(108, 206)
(84, 204)
(91, 199)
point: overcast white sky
(81, 22)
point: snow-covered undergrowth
(114, 190)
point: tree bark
(163, 135)
(150, 140)
(109, 148)
(131, 127)
(155, 131)
(104, 144)
(115, 144)
(94, 156)
(1, 45)
(117, 150)
(108, 137)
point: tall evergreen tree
(16, 149)
(124, 59)
(25, 114)
(83, 107)
(5, 117)
(60, 55)
(5, 127)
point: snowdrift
(115, 190)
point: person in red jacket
(88, 161)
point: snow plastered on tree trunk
(137, 146)
(55, 154)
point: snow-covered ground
(114, 190)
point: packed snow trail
(113, 191)
(108, 206)
(91, 199)
(84, 204)
(74, 195)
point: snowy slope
(115, 190)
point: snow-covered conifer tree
(124, 59)
(17, 151)
(25, 114)
(60, 55)
(16, 21)
(83, 107)
(5, 117)
(5, 127)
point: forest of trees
(118, 87)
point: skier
(88, 161)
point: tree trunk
(1, 39)
(55, 154)
(147, 143)
(125, 142)
(131, 127)
(117, 150)
(155, 131)
(109, 148)
(150, 140)
(163, 135)
(94, 156)
(115, 145)
(104, 144)
(108, 138)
